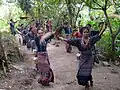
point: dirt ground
(64, 65)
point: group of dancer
(84, 43)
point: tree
(73, 8)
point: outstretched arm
(58, 32)
(47, 36)
(98, 37)
(51, 35)
(73, 42)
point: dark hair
(21, 25)
(83, 28)
(74, 26)
(11, 20)
(89, 25)
(65, 23)
(30, 29)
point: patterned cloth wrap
(43, 67)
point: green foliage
(1, 2)
(25, 5)
(11, 12)
(105, 42)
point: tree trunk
(112, 36)
(68, 2)
(39, 13)
(77, 16)
(3, 59)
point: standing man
(67, 28)
(12, 27)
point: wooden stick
(3, 66)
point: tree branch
(92, 7)
(117, 32)
(81, 6)
(114, 16)
(79, 9)
(106, 2)
(97, 3)
(97, 8)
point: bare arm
(103, 29)
(98, 37)
(73, 42)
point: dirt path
(64, 66)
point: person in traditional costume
(43, 64)
(67, 30)
(85, 45)
(12, 27)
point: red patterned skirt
(43, 68)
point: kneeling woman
(85, 45)
(43, 64)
